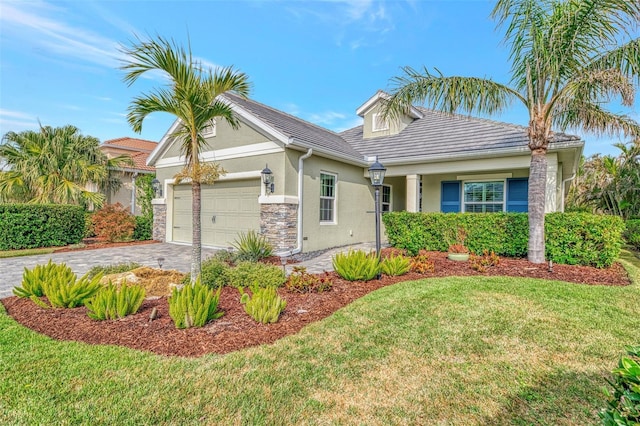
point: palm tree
(55, 165)
(568, 58)
(192, 96)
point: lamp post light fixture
(376, 174)
(267, 179)
(157, 187)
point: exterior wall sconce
(376, 174)
(267, 180)
(157, 187)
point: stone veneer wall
(159, 222)
(278, 222)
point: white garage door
(227, 209)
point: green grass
(472, 350)
(26, 252)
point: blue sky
(317, 60)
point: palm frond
(592, 118)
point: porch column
(413, 193)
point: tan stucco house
(139, 151)
(322, 196)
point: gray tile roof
(302, 132)
(439, 134)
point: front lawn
(468, 350)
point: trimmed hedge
(144, 228)
(25, 226)
(632, 233)
(571, 238)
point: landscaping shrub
(246, 274)
(88, 225)
(63, 289)
(395, 265)
(484, 261)
(32, 280)
(213, 273)
(113, 223)
(143, 228)
(574, 238)
(252, 246)
(300, 281)
(264, 305)
(25, 226)
(356, 265)
(194, 305)
(632, 233)
(421, 263)
(624, 404)
(111, 302)
(112, 269)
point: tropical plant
(64, 289)
(194, 305)
(486, 260)
(57, 166)
(252, 247)
(264, 305)
(192, 95)
(421, 264)
(356, 265)
(111, 302)
(32, 280)
(395, 265)
(568, 58)
(624, 404)
(300, 281)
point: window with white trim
(327, 198)
(378, 123)
(385, 201)
(209, 130)
(483, 197)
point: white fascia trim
(159, 149)
(332, 155)
(263, 148)
(277, 199)
(485, 176)
(413, 111)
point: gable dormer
(373, 123)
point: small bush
(88, 226)
(395, 265)
(356, 265)
(111, 302)
(300, 281)
(624, 405)
(214, 273)
(63, 289)
(632, 233)
(246, 274)
(227, 256)
(484, 261)
(264, 305)
(113, 223)
(32, 280)
(421, 263)
(144, 228)
(252, 247)
(194, 305)
(112, 269)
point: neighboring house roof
(137, 149)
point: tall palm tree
(568, 58)
(55, 165)
(192, 96)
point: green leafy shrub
(227, 256)
(300, 281)
(25, 226)
(63, 289)
(214, 273)
(246, 274)
(112, 269)
(32, 280)
(624, 405)
(144, 228)
(111, 302)
(632, 233)
(252, 246)
(88, 226)
(194, 305)
(264, 305)
(574, 238)
(395, 265)
(356, 265)
(113, 223)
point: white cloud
(347, 124)
(15, 114)
(326, 118)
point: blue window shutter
(450, 197)
(518, 195)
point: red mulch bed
(236, 330)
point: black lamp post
(157, 187)
(376, 174)
(267, 179)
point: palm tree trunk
(537, 198)
(196, 240)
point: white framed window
(378, 123)
(385, 198)
(328, 197)
(209, 130)
(483, 196)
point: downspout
(298, 248)
(573, 176)
(133, 193)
